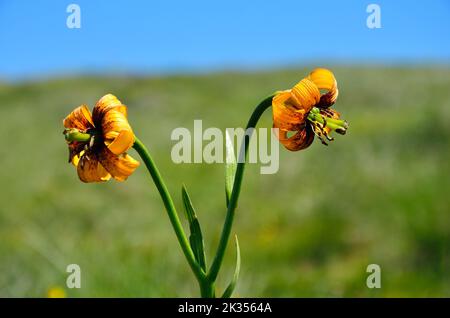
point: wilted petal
(90, 170)
(120, 167)
(80, 118)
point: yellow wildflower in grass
(103, 155)
(56, 292)
(303, 111)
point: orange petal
(90, 170)
(117, 132)
(306, 93)
(300, 140)
(107, 102)
(80, 118)
(122, 142)
(120, 167)
(324, 79)
(287, 114)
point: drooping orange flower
(303, 111)
(103, 154)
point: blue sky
(177, 36)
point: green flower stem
(224, 238)
(171, 211)
(207, 289)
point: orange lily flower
(303, 111)
(103, 154)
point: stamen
(322, 123)
(320, 132)
(91, 142)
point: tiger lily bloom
(98, 143)
(303, 112)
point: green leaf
(196, 237)
(230, 166)
(229, 291)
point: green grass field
(378, 195)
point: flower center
(91, 138)
(323, 123)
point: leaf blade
(229, 291)
(230, 166)
(196, 236)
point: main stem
(224, 238)
(171, 211)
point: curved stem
(256, 115)
(170, 208)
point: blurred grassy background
(378, 195)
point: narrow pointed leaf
(229, 291)
(230, 166)
(196, 237)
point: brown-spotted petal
(299, 140)
(90, 169)
(80, 118)
(120, 167)
(107, 102)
